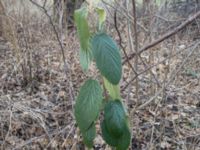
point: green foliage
(88, 105)
(111, 140)
(113, 90)
(124, 140)
(85, 59)
(107, 57)
(103, 49)
(115, 128)
(89, 135)
(114, 116)
(80, 17)
(102, 17)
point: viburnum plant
(99, 47)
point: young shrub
(101, 48)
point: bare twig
(66, 68)
(136, 50)
(173, 75)
(152, 66)
(120, 41)
(125, 14)
(165, 36)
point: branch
(165, 36)
(173, 75)
(66, 67)
(120, 41)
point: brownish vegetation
(38, 88)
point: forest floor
(37, 113)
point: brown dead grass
(36, 110)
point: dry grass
(36, 109)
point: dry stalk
(136, 51)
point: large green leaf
(115, 118)
(89, 136)
(115, 128)
(88, 104)
(125, 140)
(107, 57)
(111, 140)
(113, 90)
(80, 17)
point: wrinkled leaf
(107, 57)
(111, 140)
(89, 136)
(113, 90)
(85, 59)
(80, 17)
(88, 104)
(125, 140)
(115, 118)
(102, 16)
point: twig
(136, 50)
(66, 68)
(165, 36)
(126, 15)
(150, 67)
(120, 42)
(173, 75)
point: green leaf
(85, 59)
(125, 140)
(115, 118)
(113, 90)
(107, 57)
(111, 140)
(102, 17)
(115, 127)
(89, 136)
(80, 17)
(88, 104)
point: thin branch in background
(154, 65)
(136, 51)
(124, 12)
(66, 67)
(126, 55)
(165, 36)
(120, 41)
(123, 48)
(173, 75)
